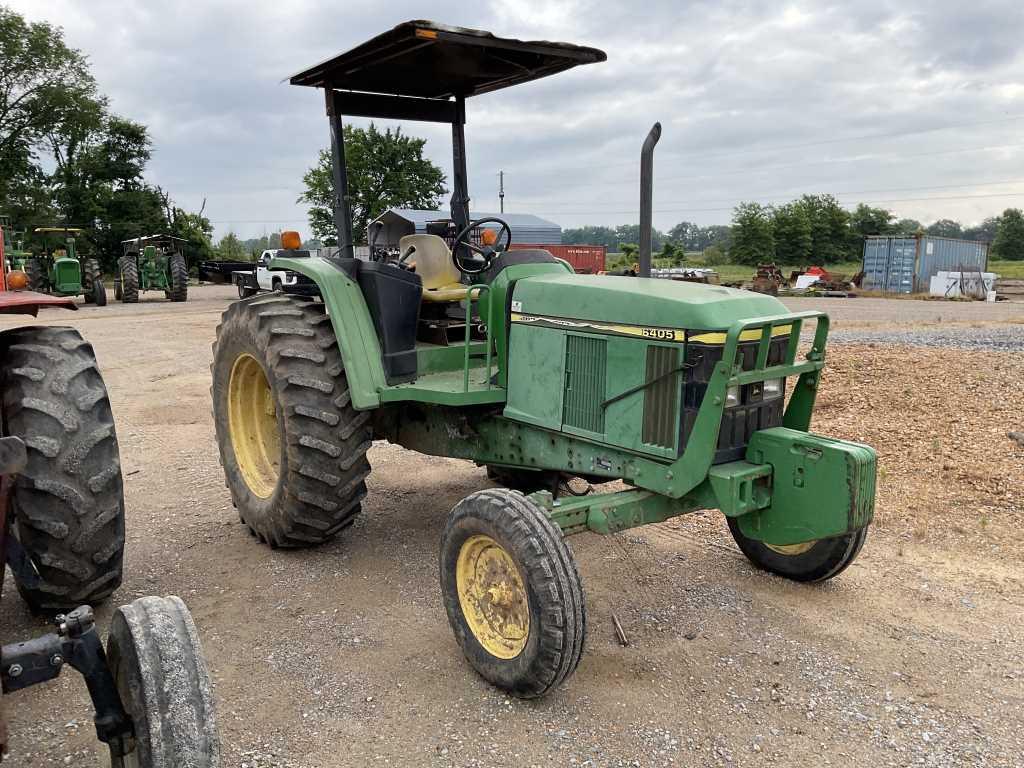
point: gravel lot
(342, 656)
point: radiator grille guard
(754, 411)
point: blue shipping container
(906, 264)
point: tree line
(67, 159)
(814, 229)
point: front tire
(99, 293)
(157, 663)
(179, 278)
(512, 592)
(68, 503)
(129, 280)
(811, 562)
(292, 446)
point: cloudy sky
(913, 105)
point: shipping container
(907, 263)
(585, 259)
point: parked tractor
(14, 246)
(152, 263)
(677, 389)
(62, 533)
(59, 270)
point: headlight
(732, 396)
(773, 387)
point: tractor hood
(638, 301)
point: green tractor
(60, 271)
(153, 263)
(14, 246)
(677, 389)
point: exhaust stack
(647, 197)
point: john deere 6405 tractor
(677, 389)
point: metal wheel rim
(792, 550)
(492, 596)
(252, 423)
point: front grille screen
(584, 383)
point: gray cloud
(758, 100)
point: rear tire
(292, 446)
(245, 293)
(99, 293)
(68, 503)
(179, 278)
(90, 276)
(157, 663)
(35, 269)
(129, 280)
(118, 295)
(817, 561)
(512, 592)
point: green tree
(1009, 240)
(714, 256)
(43, 83)
(907, 227)
(385, 170)
(865, 221)
(673, 254)
(984, 232)
(687, 234)
(792, 229)
(192, 227)
(945, 228)
(591, 235)
(230, 248)
(719, 235)
(630, 233)
(831, 238)
(753, 241)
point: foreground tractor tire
(90, 276)
(68, 504)
(179, 278)
(292, 447)
(35, 269)
(810, 562)
(129, 280)
(157, 663)
(512, 592)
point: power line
(689, 209)
(771, 196)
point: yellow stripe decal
(753, 334)
(646, 332)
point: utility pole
(501, 190)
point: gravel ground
(996, 338)
(341, 655)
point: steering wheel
(482, 255)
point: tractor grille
(661, 399)
(584, 383)
(753, 412)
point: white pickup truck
(264, 278)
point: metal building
(526, 228)
(907, 263)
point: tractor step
(448, 388)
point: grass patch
(1011, 270)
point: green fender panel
(352, 325)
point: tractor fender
(353, 326)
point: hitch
(77, 644)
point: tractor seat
(433, 260)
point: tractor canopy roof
(151, 239)
(436, 61)
(57, 230)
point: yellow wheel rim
(792, 549)
(252, 422)
(492, 597)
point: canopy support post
(342, 212)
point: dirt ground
(342, 655)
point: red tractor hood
(29, 302)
